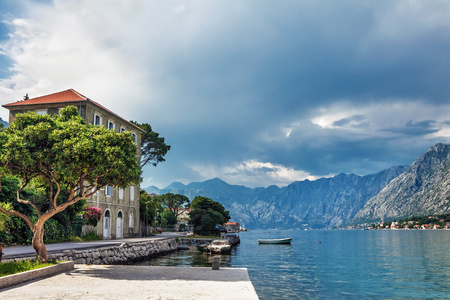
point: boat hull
(275, 241)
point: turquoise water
(346, 264)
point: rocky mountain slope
(323, 203)
(424, 188)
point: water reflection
(190, 258)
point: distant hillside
(424, 188)
(324, 203)
(4, 122)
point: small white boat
(219, 246)
(275, 241)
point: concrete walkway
(24, 251)
(138, 282)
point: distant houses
(422, 223)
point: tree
(147, 209)
(169, 217)
(200, 202)
(67, 157)
(176, 203)
(205, 214)
(153, 147)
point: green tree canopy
(200, 202)
(169, 217)
(206, 213)
(68, 157)
(176, 203)
(153, 147)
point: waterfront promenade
(130, 282)
(24, 251)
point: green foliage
(147, 208)
(56, 232)
(153, 147)
(174, 202)
(92, 215)
(169, 216)
(206, 203)
(427, 219)
(90, 235)
(16, 231)
(4, 218)
(9, 268)
(205, 214)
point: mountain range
(402, 191)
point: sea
(337, 264)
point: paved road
(22, 251)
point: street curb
(14, 279)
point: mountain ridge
(260, 207)
(396, 192)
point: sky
(254, 92)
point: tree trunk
(38, 242)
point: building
(232, 226)
(120, 206)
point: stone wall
(194, 242)
(122, 254)
(233, 238)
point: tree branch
(18, 214)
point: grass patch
(90, 236)
(13, 267)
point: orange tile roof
(66, 96)
(60, 97)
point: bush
(92, 215)
(90, 235)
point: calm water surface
(346, 264)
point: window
(120, 193)
(97, 120)
(108, 190)
(131, 193)
(41, 111)
(133, 135)
(111, 125)
(122, 129)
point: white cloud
(379, 118)
(254, 173)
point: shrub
(92, 215)
(90, 235)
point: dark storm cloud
(417, 128)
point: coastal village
(422, 223)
